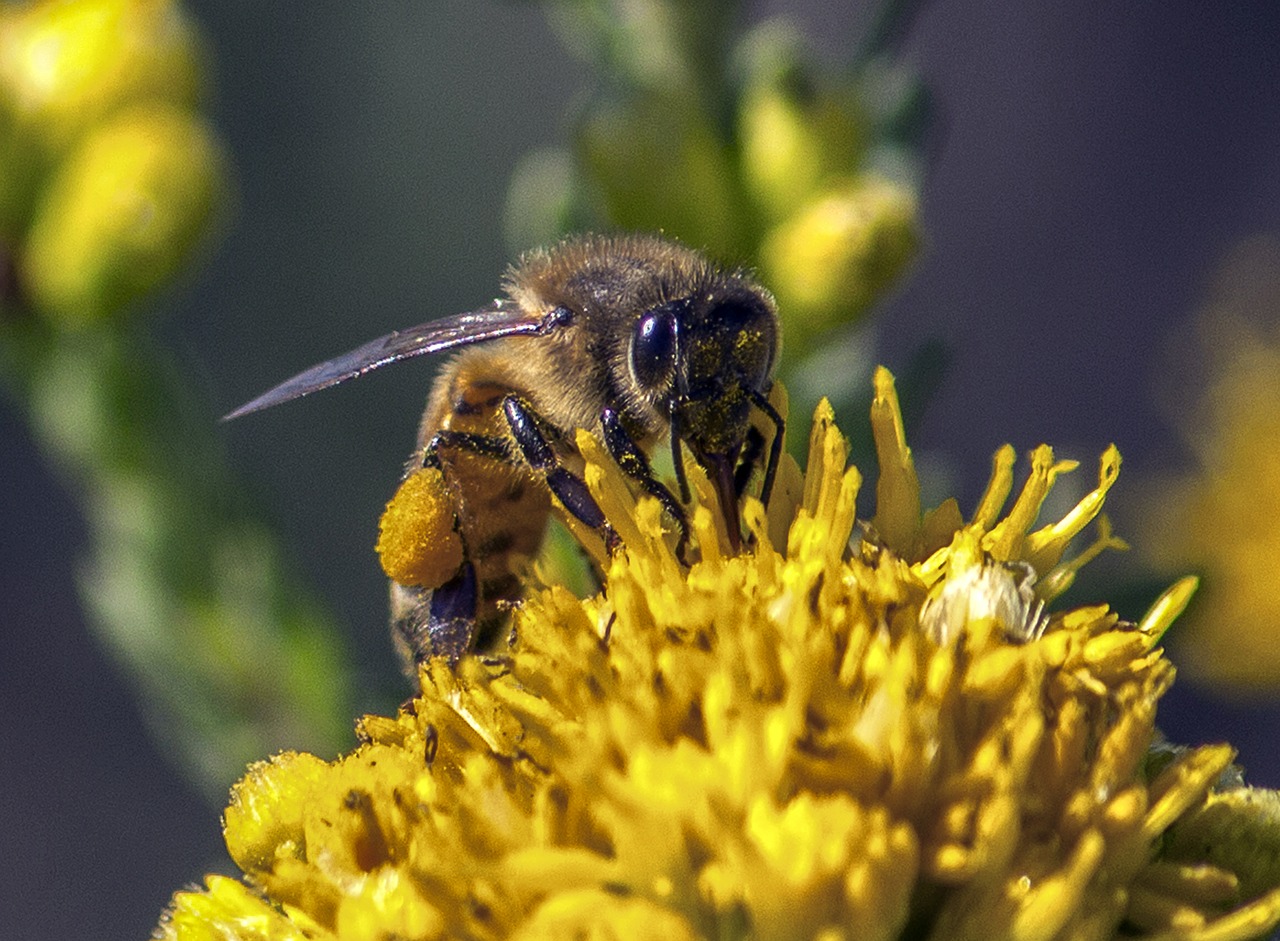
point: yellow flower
(838, 253)
(1223, 517)
(798, 129)
(657, 164)
(64, 66)
(123, 214)
(875, 735)
(68, 65)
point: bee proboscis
(635, 338)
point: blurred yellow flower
(839, 253)
(123, 214)
(108, 178)
(657, 164)
(823, 737)
(66, 65)
(798, 127)
(1222, 518)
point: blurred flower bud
(658, 165)
(795, 135)
(122, 214)
(829, 261)
(543, 201)
(20, 166)
(668, 46)
(66, 65)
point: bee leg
(570, 490)
(775, 448)
(410, 613)
(442, 621)
(438, 622)
(752, 449)
(485, 445)
(451, 615)
(623, 449)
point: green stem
(182, 582)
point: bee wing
(489, 323)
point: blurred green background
(1088, 170)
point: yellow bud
(122, 214)
(203, 916)
(1238, 829)
(21, 164)
(65, 65)
(594, 913)
(389, 904)
(265, 817)
(793, 140)
(828, 262)
(658, 165)
(417, 541)
(542, 198)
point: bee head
(706, 360)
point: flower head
(845, 731)
(1222, 517)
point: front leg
(484, 445)
(775, 448)
(631, 458)
(570, 490)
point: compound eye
(653, 349)
(749, 332)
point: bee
(636, 338)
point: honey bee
(636, 338)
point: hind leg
(440, 622)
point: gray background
(1097, 162)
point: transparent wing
(489, 323)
